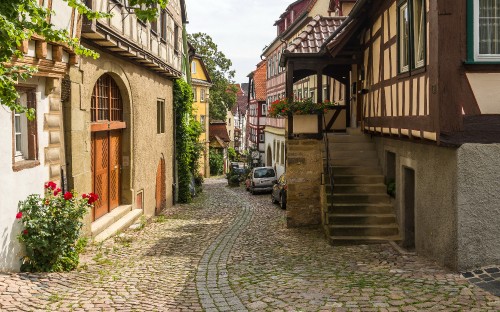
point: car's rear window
(263, 173)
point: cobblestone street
(231, 251)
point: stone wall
(304, 168)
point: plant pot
(305, 124)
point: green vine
(188, 131)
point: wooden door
(106, 177)
(100, 166)
(114, 169)
(161, 187)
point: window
(411, 35)
(486, 24)
(202, 95)
(106, 102)
(163, 25)
(195, 94)
(264, 109)
(176, 38)
(154, 27)
(193, 68)
(229, 121)
(261, 137)
(160, 116)
(24, 131)
(282, 153)
(202, 122)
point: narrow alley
(230, 251)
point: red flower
(92, 198)
(47, 202)
(57, 191)
(19, 215)
(68, 195)
(85, 196)
(25, 232)
(50, 185)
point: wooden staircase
(360, 210)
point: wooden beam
(57, 53)
(41, 49)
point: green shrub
(391, 188)
(234, 180)
(52, 227)
(216, 161)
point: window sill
(24, 164)
(413, 72)
(482, 66)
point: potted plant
(52, 225)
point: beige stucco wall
(142, 147)
(486, 91)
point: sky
(240, 28)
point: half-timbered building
(256, 112)
(120, 113)
(422, 82)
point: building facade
(256, 113)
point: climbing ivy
(188, 131)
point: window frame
(21, 161)
(160, 116)
(412, 65)
(473, 55)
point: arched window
(106, 104)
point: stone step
(358, 179)
(121, 224)
(360, 208)
(356, 170)
(356, 146)
(366, 162)
(360, 155)
(358, 188)
(363, 230)
(107, 220)
(342, 240)
(361, 218)
(346, 138)
(359, 198)
(354, 131)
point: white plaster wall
(270, 138)
(62, 17)
(486, 91)
(17, 186)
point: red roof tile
(217, 129)
(314, 35)
(260, 80)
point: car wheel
(282, 202)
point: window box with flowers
(305, 113)
(52, 227)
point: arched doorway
(107, 125)
(161, 187)
(269, 156)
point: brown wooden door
(106, 160)
(161, 187)
(100, 172)
(114, 169)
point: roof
(315, 34)
(260, 80)
(218, 131)
(203, 66)
(241, 99)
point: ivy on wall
(188, 131)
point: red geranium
(57, 191)
(68, 196)
(25, 232)
(19, 215)
(50, 185)
(91, 198)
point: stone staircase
(360, 210)
(112, 223)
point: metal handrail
(328, 160)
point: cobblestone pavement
(230, 251)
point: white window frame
(193, 68)
(477, 55)
(202, 95)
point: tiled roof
(315, 34)
(218, 130)
(260, 80)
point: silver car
(262, 179)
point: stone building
(119, 117)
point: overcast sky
(240, 28)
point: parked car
(262, 179)
(241, 172)
(278, 195)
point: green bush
(52, 227)
(234, 180)
(216, 161)
(391, 188)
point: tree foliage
(188, 130)
(222, 94)
(21, 19)
(216, 160)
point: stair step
(359, 198)
(358, 188)
(358, 179)
(354, 146)
(346, 138)
(335, 240)
(365, 162)
(119, 225)
(363, 230)
(356, 170)
(354, 131)
(108, 219)
(361, 219)
(359, 155)
(360, 208)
